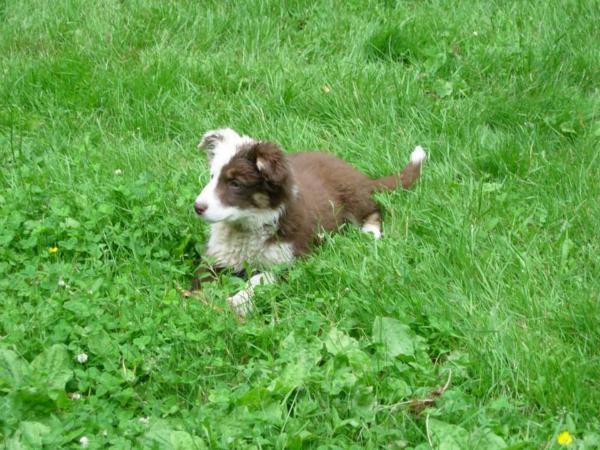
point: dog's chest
(232, 247)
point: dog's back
(331, 192)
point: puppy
(266, 207)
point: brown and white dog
(266, 207)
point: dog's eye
(235, 184)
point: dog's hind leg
(372, 224)
(241, 303)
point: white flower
(145, 420)
(61, 282)
(118, 172)
(84, 441)
(75, 396)
(475, 33)
(82, 358)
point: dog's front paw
(213, 138)
(241, 303)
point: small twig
(419, 404)
(201, 297)
(428, 431)
(445, 387)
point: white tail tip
(418, 155)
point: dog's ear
(208, 142)
(270, 161)
(214, 138)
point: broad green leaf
(80, 307)
(161, 435)
(453, 437)
(396, 336)
(400, 388)
(337, 342)
(446, 436)
(295, 373)
(6, 237)
(71, 223)
(338, 379)
(298, 359)
(30, 434)
(591, 440)
(359, 360)
(102, 345)
(271, 413)
(254, 397)
(53, 368)
(444, 88)
(363, 402)
(487, 440)
(14, 444)
(181, 440)
(220, 395)
(300, 440)
(290, 347)
(12, 368)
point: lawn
(473, 324)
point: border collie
(266, 207)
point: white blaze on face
(227, 145)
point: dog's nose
(200, 208)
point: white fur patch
(260, 164)
(241, 303)
(418, 155)
(233, 245)
(372, 228)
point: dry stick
(445, 387)
(418, 405)
(428, 431)
(200, 296)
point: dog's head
(250, 180)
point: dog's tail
(407, 177)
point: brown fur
(256, 177)
(331, 192)
(406, 179)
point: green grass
(489, 269)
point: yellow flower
(52, 250)
(565, 438)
